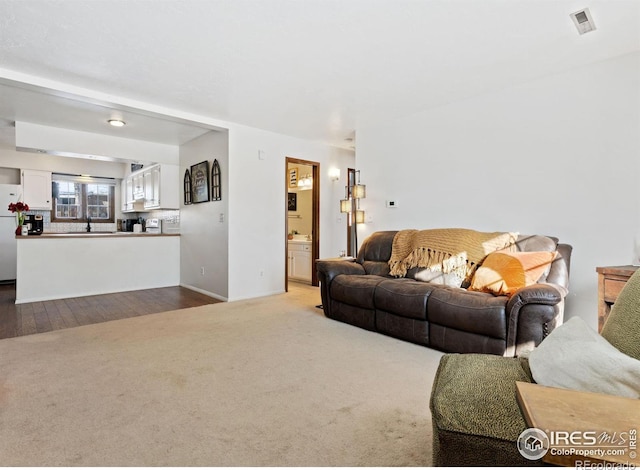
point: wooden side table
(577, 419)
(611, 280)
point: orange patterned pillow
(504, 273)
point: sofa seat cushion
(473, 312)
(357, 290)
(404, 297)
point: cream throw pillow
(575, 357)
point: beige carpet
(263, 382)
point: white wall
(301, 220)
(10, 160)
(204, 237)
(257, 207)
(556, 156)
(72, 142)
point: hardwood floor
(40, 317)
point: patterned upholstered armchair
(476, 418)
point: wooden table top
(626, 270)
(582, 426)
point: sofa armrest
(541, 293)
(533, 312)
(328, 269)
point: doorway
(302, 183)
(352, 230)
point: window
(76, 197)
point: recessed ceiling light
(116, 122)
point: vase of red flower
(19, 208)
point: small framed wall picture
(200, 182)
(292, 202)
(293, 177)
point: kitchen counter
(95, 235)
(64, 265)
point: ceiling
(314, 69)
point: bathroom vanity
(300, 260)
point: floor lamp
(350, 205)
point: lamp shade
(346, 205)
(359, 217)
(359, 191)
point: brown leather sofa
(362, 293)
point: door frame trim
(315, 218)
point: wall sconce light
(334, 174)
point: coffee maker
(127, 224)
(34, 223)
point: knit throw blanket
(449, 250)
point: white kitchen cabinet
(126, 195)
(128, 185)
(154, 187)
(128, 201)
(36, 189)
(151, 178)
(161, 183)
(123, 195)
(137, 180)
(300, 262)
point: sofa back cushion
(538, 243)
(376, 268)
(375, 252)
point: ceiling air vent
(583, 21)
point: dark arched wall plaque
(187, 187)
(216, 182)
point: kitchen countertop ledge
(95, 235)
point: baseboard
(205, 292)
(266, 294)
